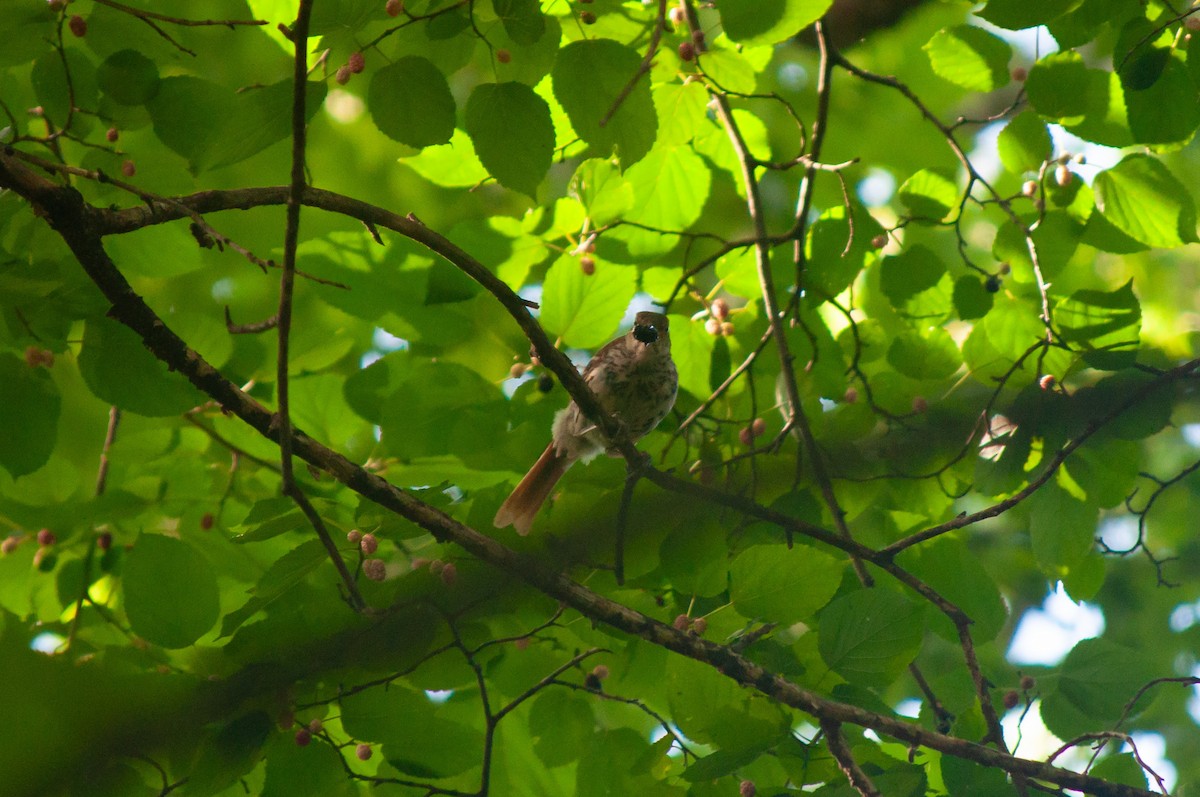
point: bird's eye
(645, 333)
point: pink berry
(677, 16)
(713, 326)
(394, 8)
(746, 436)
(315, 725)
(363, 751)
(1011, 698)
(700, 625)
(879, 241)
(356, 62)
(10, 544)
(128, 168)
(369, 544)
(758, 427)
(719, 309)
(78, 26)
(1046, 382)
(687, 51)
(436, 566)
(1192, 22)
(342, 76)
(600, 671)
(46, 537)
(1028, 681)
(747, 789)
(727, 328)
(503, 56)
(418, 562)
(375, 569)
(449, 574)
(851, 395)
(682, 622)
(303, 737)
(587, 265)
(113, 134)
(353, 536)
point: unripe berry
(1027, 681)
(449, 574)
(700, 625)
(78, 25)
(727, 328)
(747, 789)
(342, 76)
(712, 326)
(113, 134)
(46, 537)
(587, 265)
(206, 521)
(682, 622)
(353, 536)
(919, 404)
(518, 370)
(303, 737)
(1011, 698)
(394, 8)
(1046, 382)
(128, 169)
(363, 752)
(10, 543)
(356, 62)
(1062, 175)
(1029, 187)
(758, 427)
(1003, 269)
(851, 395)
(1019, 73)
(600, 671)
(375, 569)
(687, 51)
(719, 309)
(369, 544)
(503, 56)
(315, 725)
(879, 241)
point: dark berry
(1028, 682)
(545, 383)
(1011, 698)
(991, 284)
(363, 752)
(113, 134)
(128, 168)
(587, 265)
(78, 25)
(503, 56)
(394, 8)
(356, 62)
(206, 521)
(46, 537)
(687, 51)
(587, 17)
(303, 737)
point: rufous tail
(522, 506)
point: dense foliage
(970, 231)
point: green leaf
(1024, 143)
(970, 57)
(1107, 325)
(602, 190)
(753, 22)
(29, 411)
(513, 136)
(1061, 529)
(1168, 110)
(49, 81)
(585, 310)
(121, 371)
(831, 267)
(782, 586)
(1142, 199)
(283, 574)
(454, 165)
(929, 195)
(913, 271)
(1059, 87)
(171, 596)
(929, 355)
(129, 77)
(522, 19)
(971, 298)
(869, 636)
(1097, 679)
(588, 77)
(670, 187)
(1021, 14)
(950, 567)
(562, 726)
(410, 102)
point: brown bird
(634, 378)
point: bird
(634, 378)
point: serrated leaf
(1142, 199)
(522, 19)
(121, 371)
(1097, 679)
(29, 409)
(585, 310)
(869, 636)
(928, 194)
(128, 77)
(928, 355)
(588, 77)
(410, 102)
(1024, 143)
(670, 187)
(754, 22)
(171, 595)
(1106, 325)
(782, 586)
(970, 57)
(1021, 14)
(513, 136)
(604, 193)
